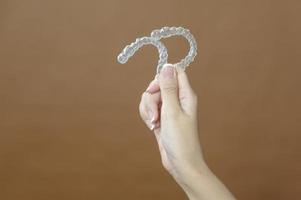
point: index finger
(153, 87)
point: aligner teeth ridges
(154, 39)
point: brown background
(69, 123)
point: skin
(169, 109)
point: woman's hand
(169, 109)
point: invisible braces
(154, 39)
(130, 50)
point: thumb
(169, 89)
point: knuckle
(170, 88)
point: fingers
(172, 89)
(149, 109)
(153, 87)
(183, 81)
(169, 89)
(188, 98)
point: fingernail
(148, 88)
(168, 71)
(153, 119)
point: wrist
(200, 183)
(189, 176)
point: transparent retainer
(154, 39)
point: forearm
(202, 184)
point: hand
(169, 109)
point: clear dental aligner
(129, 50)
(154, 39)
